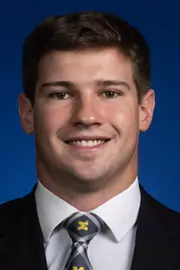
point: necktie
(81, 228)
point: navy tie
(81, 228)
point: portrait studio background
(159, 159)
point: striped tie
(81, 228)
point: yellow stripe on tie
(80, 268)
(83, 225)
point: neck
(86, 197)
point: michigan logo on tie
(83, 225)
(80, 268)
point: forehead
(85, 66)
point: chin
(90, 182)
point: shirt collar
(51, 210)
(119, 213)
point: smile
(87, 143)
(87, 146)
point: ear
(146, 110)
(26, 114)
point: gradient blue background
(159, 159)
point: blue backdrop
(159, 159)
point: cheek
(125, 118)
(50, 119)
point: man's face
(86, 116)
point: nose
(86, 113)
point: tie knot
(83, 227)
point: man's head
(82, 31)
(86, 77)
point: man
(87, 96)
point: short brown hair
(85, 30)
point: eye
(59, 95)
(112, 94)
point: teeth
(87, 143)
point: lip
(86, 138)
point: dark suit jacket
(21, 241)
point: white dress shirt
(110, 250)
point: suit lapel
(21, 244)
(155, 246)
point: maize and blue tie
(81, 228)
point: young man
(87, 96)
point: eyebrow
(99, 83)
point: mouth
(87, 143)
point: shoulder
(152, 208)
(12, 205)
(13, 211)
